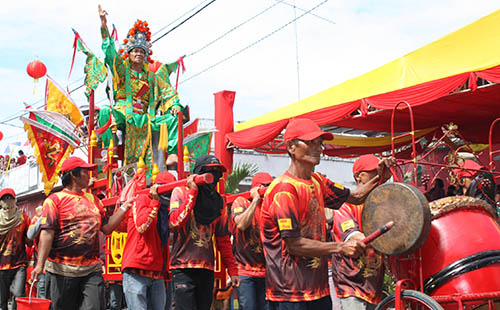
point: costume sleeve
(285, 213)
(111, 57)
(50, 213)
(334, 194)
(164, 91)
(144, 211)
(226, 252)
(181, 206)
(344, 223)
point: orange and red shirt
(361, 277)
(294, 208)
(76, 219)
(12, 245)
(247, 246)
(192, 245)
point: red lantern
(154, 66)
(36, 69)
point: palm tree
(240, 172)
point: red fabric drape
(257, 136)
(224, 101)
(491, 74)
(331, 114)
(419, 94)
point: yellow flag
(57, 100)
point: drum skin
(457, 234)
(407, 207)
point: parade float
(425, 108)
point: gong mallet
(379, 232)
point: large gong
(407, 207)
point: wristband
(123, 209)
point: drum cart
(454, 262)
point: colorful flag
(198, 144)
(53, 139)
(190, 127)
(57, 100)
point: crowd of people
(275, 246)
(7, 163)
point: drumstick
(379, 232)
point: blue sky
(365, 34)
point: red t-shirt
(76, 219)
(361, 277)
(294, 208)
(21, 160)
(143, 247)
(12, 245)
(192, 245)
(247, 246)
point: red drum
(462, 252)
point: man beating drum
(293, 230)
(358, 281)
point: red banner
(50, 151)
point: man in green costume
(144, 101)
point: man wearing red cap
(142, 264)
(197, 214)
(13, 228)
(69, 242)
(358, 281)
(294, 227)
(247, 246)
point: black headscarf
(209, 202)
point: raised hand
(102, 15)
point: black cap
(207, 161)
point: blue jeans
(252, 293)
(143, 292)
(115, 296)
(41, 287)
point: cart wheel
(411, 300)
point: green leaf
(240, 172)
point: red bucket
(33, 303)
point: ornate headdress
(138, 36)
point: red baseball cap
(367, 162)
(304, 129)
(261, 178)
(75, 162)
(7, 191)
(164, 177)
(462, 171)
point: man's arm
(180, 214)
(244, 219)
(117, 218)
(359, 194)
(44, 247)
(312, 248)
(34, 229)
